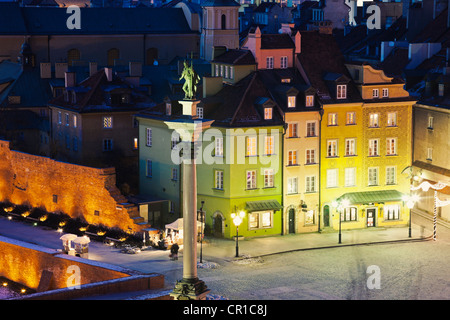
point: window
(149, 137)
(269, 62)
(430, 122)
(375, 93)
(171, 207)
(200, 112)
(373, 176)
(310, 184)
(223, 22)
(374, 120)
(341, 91)
(218, 147)
(107, 122)
(75, 144)
(75, 121)
(392, 212)
(391, 175)
(292, 187)
(251, 146)
(268, 178)
(332, 178)
(292, 130)
(148, 171)
(309, 101)
(168, 109)
(292, 158)
(260, 220)
(221, 70)
(267, 113)
(107, 144)
(350, 177)
(441, 89)
(350, 118)
(310, 156)
(349, 214)
(175, 139)
(251, 179)
(391, 146)
(332, 148)
(59, 117)
(291, 101)
(373, 148)
(269, 145)
(332, 119)
(175, 174)
(385, 93)
(310, 129)
(67, 141)
(135, 143)
(429, 153)
(391, 119)
(226, 72)
(350, 147)
(217, 70)
(218, 179)
(309, 217)
(284, 62)
(67, 119)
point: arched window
(72, 55)
(151, 56)
(113, 54)
(224, 22)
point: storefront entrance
(371, 214)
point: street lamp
(339, 206)
(201, 229)
(410, 201)
(237, 220)
(425, 186)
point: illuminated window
(349, 214)
(260, 220)
(251, 146)
(292, 187)
(59, 117)
(269, 145)
(373, 148)
(218, 179)
(291, 101)
(332, 119)
(268, 178)
(350, 147)
(75, 122)
(107, 122)
(310, 101)
(374, 120)
(292, 158)
(350, 177)
(135, 143)
(391, 212)
(429, 153)
(350, 118)
(341, 91)
(391, 175)
(168, 109)
(391, 146)
(310, 156)
(430, 122)
(310, 184)
(392, 119)
(267, 113)
(251, 179)
(311, 129)
(332, 148)
(218, 147)
(148, 137)
(292, 130)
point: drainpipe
(282, 174)
(320, 165)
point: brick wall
(79, 191)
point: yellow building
(366, 143)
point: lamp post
(425, 186)
(201, 233)
(410, 201)
(339, 205)
(237, 220)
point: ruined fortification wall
(79, 191)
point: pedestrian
(174, 251)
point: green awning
(263, 205)
(372, 196)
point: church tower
(220, 26)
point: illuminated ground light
(13, 288)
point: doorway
(218, 224)
(291, 220)
(371, 213)
(326, 216)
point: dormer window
(291, 101)
(341, 91)
(168, 109)
(200, 112)
(375, 93)
(441, 90)
(267, 113)
(74, 97)
(309, 101)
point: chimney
(298, 42)
(211, 86)
(60, 69)
(135, 69)
(92, 68)
(109, 74)
(217, 51)
(46, 70)
(70, 79)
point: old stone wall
(79, 191)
